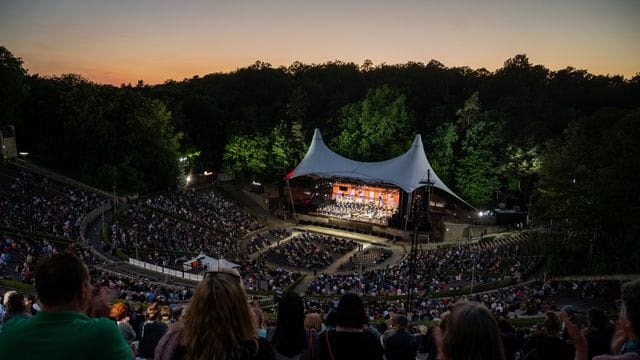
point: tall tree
(376, 128)
(470, 113)
(521, 164)
(477, 174)
(13, 87)
(441, 153)
(246, 155)
(588, 188)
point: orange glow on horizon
(119, 42)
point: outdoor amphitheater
(157, 248)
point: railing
(163, 270)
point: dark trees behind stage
(522, 132)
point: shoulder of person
(16, 321)
(265, 350)
(627, 356)
(271, 330)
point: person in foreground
(471, 332)
(349, 340)
(626, 339)
(218, 324)
(62, 330)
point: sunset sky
(119, 41)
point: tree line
(565, 139)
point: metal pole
(473, 270)
(408, 211)
(293, 208)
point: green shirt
(62, 335)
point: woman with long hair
(151, 331)
(218, 324)
(289, 338)
(471, 333)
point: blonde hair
(218, 319)
(313, 321)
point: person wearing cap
(401, 345)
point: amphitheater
(152, 248)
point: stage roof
(408, 171)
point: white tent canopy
(210, 263)
(408, 171)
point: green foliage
(588, 181)
(284, 148)
(376, 128)
(480, 129)
(470, 113)
(441, 152)
(477, 173)
(101, 135)
(520, 163)
(246, 155)
(13, 87)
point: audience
(401, 345)
(35, 204)
(471, 332)
(218, 324)
(14, 305)
(548, 343)
(445, 268)
(62, 329)
(151, 332)
(625, 344)
(120, 313)
(310, 251)
(598, 333)
(349, 340)
(289, 338)
(207, 208)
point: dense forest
(565, 139)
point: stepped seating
(265, 239)
(365, 259)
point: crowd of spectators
(366, 258)
(138, 288)
(258, 276)
(142, 229)
(349, 315)
(310, 251)
(445, 268)
(515, 301)
(57, 210)
(19, 254)
(33, 203)
(207, 208)
(264, 239)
